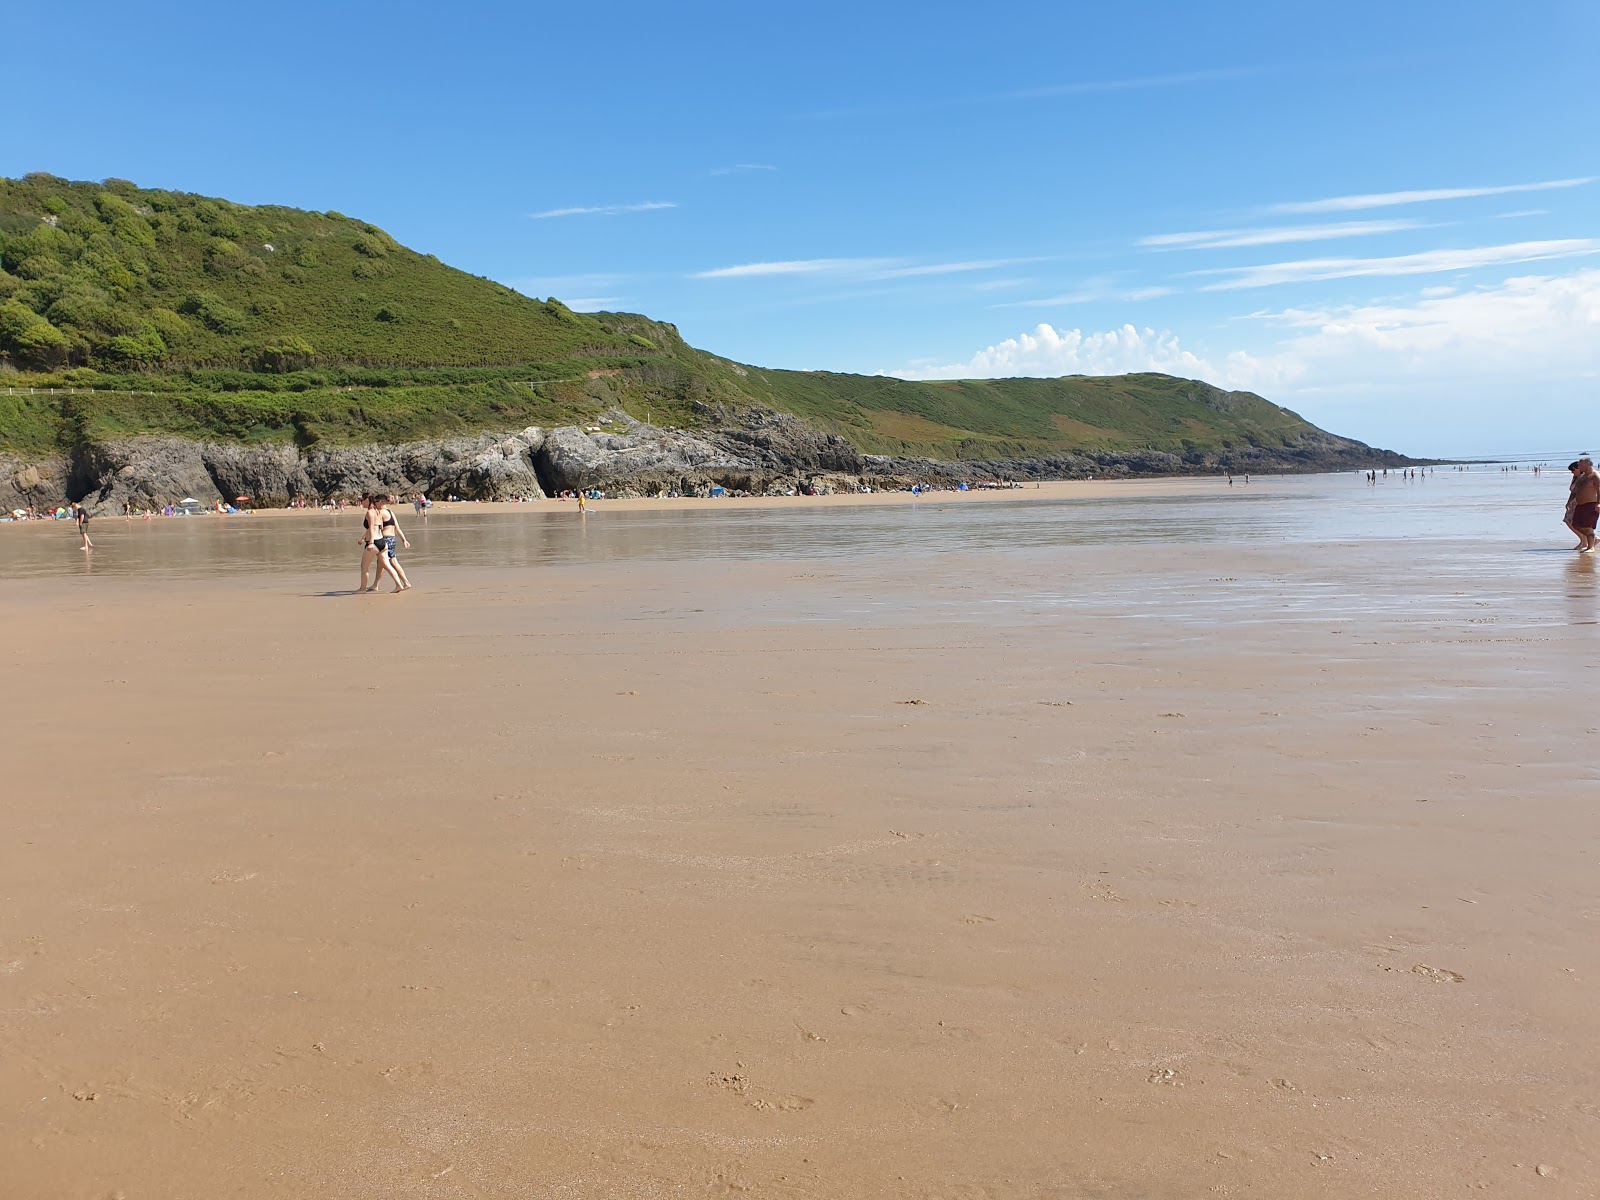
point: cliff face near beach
(156, 344)
(761, 453)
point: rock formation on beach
(762, 454)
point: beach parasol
(240, 499)
(188, 500)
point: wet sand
(1251, 872)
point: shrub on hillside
(292, 354)
(142, 349)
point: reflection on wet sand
(896, 851)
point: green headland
(128, 310)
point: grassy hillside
(168, 312)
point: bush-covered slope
(162, 312)
(111, 275)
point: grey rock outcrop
(751, 451)
(142, 471)
(268, 473)
(27, 482)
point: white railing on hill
(72, 391)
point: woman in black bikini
(382, 530)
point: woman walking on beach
(1583, 504)
(382, 530)
(369, 550)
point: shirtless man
(1583, 504)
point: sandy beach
(1248, 869)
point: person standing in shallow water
(1583, 504)
(81, 515)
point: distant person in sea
(1583, 504)
(81, 515)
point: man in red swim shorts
(1583, 504)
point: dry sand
(657, 879)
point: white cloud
(742, 169)
(1486, 369)
(860, 268)
(1525, 327)
(951, 268)
(797, 266)
(1216, 239)
(604, 210)
(1420, 196)
(1426, 263)
(1091, 295)
(1048, 351)
(1088, 87)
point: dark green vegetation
(172, 313)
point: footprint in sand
(782, 1104)
(1103, 891)
(976, 919)
(1438, 974)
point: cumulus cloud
(1048, 351)
(1429, 262)
(603, 210)
(1420, 196)
(1444, 369)
(1529, 327)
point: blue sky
(1386, 216)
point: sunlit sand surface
(1148, 841)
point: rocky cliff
(753, 451)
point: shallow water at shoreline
(1448, 506)
(1479, 547)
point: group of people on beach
(1583, 503)
(379, 532)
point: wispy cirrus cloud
(742, 169)
(1087, 87)
(1091, 295)
(1218, 239)
(1428, 262)
(870, 269)
(603, 210)
(1421, 196)
(796, 266)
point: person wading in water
(1583, 504)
